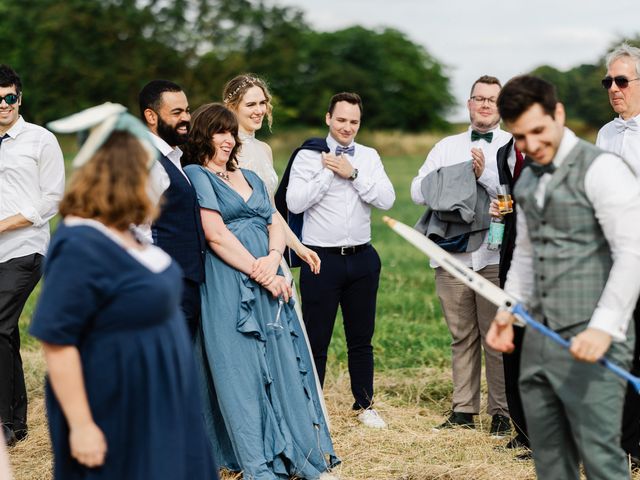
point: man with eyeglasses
(31, 186)
(575, 267)
(461, 171)
(622, 136)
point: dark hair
(112, 186)
(9, 78)
(522, 92)
(208, 119)
(151, 95)
(352, 98)
(488, 79)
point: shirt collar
(17, 127)
(164, 147)
(569, 140)
(332, 143)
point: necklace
(223, 174)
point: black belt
(341, 250)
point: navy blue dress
(262, 408)
(137, 360)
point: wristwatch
(354, 174)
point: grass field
(413, 384)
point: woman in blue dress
(122, 392)
(262, 406)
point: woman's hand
(309, 257)
(88, 445)
(280, 286)
(265, 268)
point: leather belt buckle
(347, 250)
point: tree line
(580, 90)
(72, 54)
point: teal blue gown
(262, 408)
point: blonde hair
(112, 186)
(236, 88)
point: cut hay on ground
(411, 401)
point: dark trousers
(350, 281)
(511, 363)
(18, 278)
(191, 304)
(631, 413)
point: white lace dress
(253, 155)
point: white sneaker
(327, 476)
(371, 418)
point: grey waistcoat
(572, 258)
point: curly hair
(235, 89)
(112, 186)
(208, 119)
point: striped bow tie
(348, 150)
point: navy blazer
(178, 229)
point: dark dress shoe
(457, 419)
(517, 442)
(524, 456)
(9, 437)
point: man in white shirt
(467, 314)
(622, 136)
(336, 190)
(31, 186)
(164, 108)
(575, 267)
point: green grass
(410, 331)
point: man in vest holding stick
(575, 266)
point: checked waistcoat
(572, 258)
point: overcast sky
(501, 38)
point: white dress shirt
(457, 149)
(159, 181)
(31, 184)
(622, 138)
(337, 211)
(172, 153)
(614, 193)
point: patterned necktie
(539, 170)
(622, 125)
(348, 150)
(475, 135)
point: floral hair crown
(247, 81)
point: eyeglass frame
(4, 99)
(608, 81)
(481, 100)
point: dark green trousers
(573, 409)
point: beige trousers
(468, 316)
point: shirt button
(541, 259)
(544, 294)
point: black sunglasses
(10, 98)
(621, 82)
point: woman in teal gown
(262, 407)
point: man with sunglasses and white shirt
(622, 136)
(31, 185)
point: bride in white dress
(249, 98)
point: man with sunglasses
(622, 136)
(31, 185)
(464, 167)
